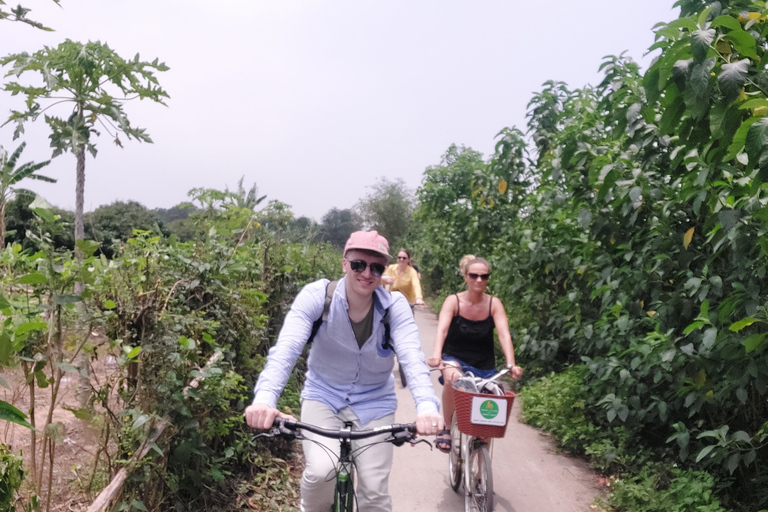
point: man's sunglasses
(359, 266)
(474, 276)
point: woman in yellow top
(401, 277)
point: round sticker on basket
(489, 409)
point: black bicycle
(344, 493)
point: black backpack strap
(330, 288)
(387, 338)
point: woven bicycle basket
(463, 403)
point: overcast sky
(315, 101)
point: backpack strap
(330, 288)
(387, 338)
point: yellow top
(406, 283)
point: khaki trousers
(373, 464)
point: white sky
(316, 100)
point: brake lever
(414, 442)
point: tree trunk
(2, 223)
(83, 363)
(79, 202)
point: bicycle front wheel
(454, 457)
(480, 478)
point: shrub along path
(528, 473)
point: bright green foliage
(10, 175)
(11, 477)
(388, 209)
(9, 412)
(338, 224)
(641, 247)
(652, 490)
(166, 308)
(115, 223)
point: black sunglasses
(402, 257)
(359, 266)
(474, 276)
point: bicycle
(344, 492)
(477, 418)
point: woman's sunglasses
(402, 257)
(359, 266)
(474, 276)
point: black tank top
(471, 341)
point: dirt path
(528, 475)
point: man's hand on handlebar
(429, 424)
(262, 416)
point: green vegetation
(632, 243)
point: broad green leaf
(733, 462)
(727, 22)
(757, 139)
(88, 247)
(132, 352)
(4, 304)
(755, 342)
(688, 237)
(742, 42)
(109, 304)
(709, 338)
(732, 78)
(700, 41)
(68, 367)
(33, 278)
(30, 326)
(740, 138)
(742, 436)
(754, 103)
(744, 322)
(704, 452)
(138, 505)
(10, 413)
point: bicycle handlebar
(404, 432)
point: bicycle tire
(480, 493)
(454, 457)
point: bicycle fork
(344, 496)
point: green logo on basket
(489, 409)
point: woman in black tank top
(465, 335)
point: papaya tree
(92, 82)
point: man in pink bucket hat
(349, 372)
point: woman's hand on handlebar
(435, 362)
(262, 416)
(515, 371)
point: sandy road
(528, 475)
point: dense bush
(634, 242)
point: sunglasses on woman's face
(359, 266)
(402, 257)
(474, 276)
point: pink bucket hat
(368, 241)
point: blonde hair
(463, 263)
(469, 260)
